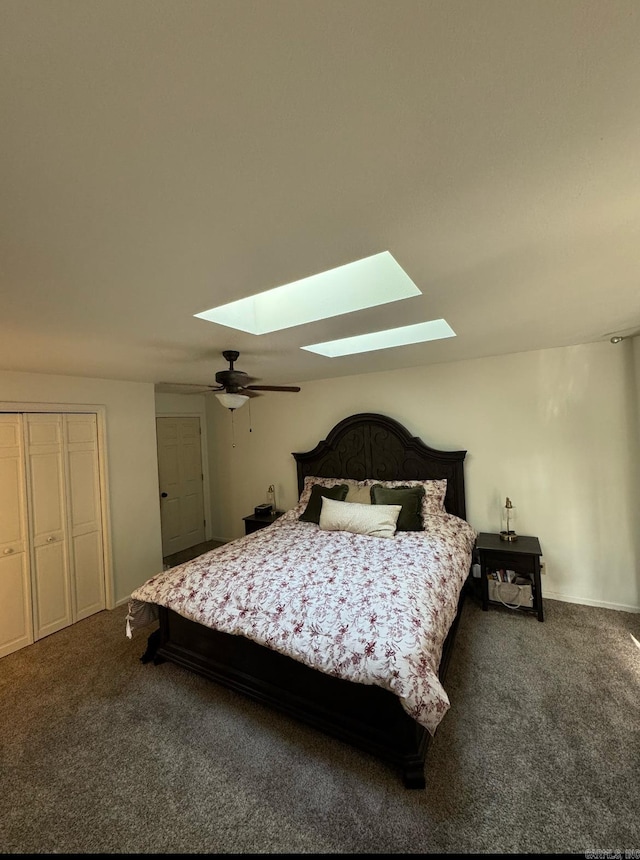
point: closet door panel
(84, 502)
(16, 627)
(47, 519)
(15, 603)
(84, 515)
(53, 603)
(47, 496)
(89, 590)
(11, 509)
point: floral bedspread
(367, 609)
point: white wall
(555, 430)
(131, 458)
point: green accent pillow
(311, 513)
(410, 519)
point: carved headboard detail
(375, 446)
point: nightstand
(253, 523)
(521, 556)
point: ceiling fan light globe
(232, 401)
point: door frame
(103, 474)
(206, 494)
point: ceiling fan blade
(272, 387)
(185, 387)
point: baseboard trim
(602, 604)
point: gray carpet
(539, 753)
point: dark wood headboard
(375, 446)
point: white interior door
(16, 627)
(181, 483)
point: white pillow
(374, 520)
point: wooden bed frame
(361, 446)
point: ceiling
(159, 158)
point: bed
(349, 632)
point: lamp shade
(232, 401)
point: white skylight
(432, 330)
(365, 283)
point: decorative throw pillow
(435, 491)
(410, 498)
(372, 520)
(358, 493)
(311, 513)
(310, 481)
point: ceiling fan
(234, 387)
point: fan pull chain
(233, 430)
(250, 422)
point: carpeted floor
(539, 753)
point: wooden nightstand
(521, 556)
(253, 523)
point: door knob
(50, 539)
(164, 495)
(8, 550)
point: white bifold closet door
(64, 582)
